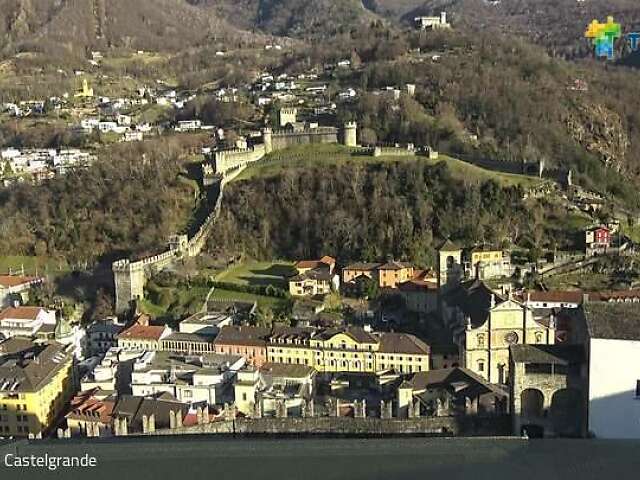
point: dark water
(328, 459)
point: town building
(90, 414)
(250, 342)
(487, 263)
(610, 334)
(348, 350)
(449, 392)
(547, 390)
(187, 343)
(36, 382)
(314, 277)
(276, 390)
(102, 335)
(205, 323)
(190, 379)
(485, 324)
(142, 337)
(15, 288)
(420, 294)
(85, 91)
(597, 240)
(25, 321)
(387, 275)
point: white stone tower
(267, 139)
(351, 134)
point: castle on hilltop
(290, 133)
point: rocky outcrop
(600, 131)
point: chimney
(493, 300)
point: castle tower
(350, 134)
(129, 280)
(449, 264)
(288, 115)
(267, 139)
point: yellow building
(86, 91)
(314, 277)
(487, 324)
(311, 283)
(387, 275)
(36, 382)
(352, 350)
(486, 263)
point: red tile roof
(20, 313)
(326, 260)
(9, 281)
(417, 286)
(152, 332)
(561, 296)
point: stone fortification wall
(350, 426)
(282, 139)
(227, 160)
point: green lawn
(579, 280)
(632, 232)
(469, 172)
(179, 301)
(258, 274)
(331, 155)
(33, 265)
(230, 295)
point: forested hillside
(367, 212)
(129, 202)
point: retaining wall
(343, 426)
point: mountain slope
(76, 25)
(296, 18)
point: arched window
(480, 340)
(539, 337)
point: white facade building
(612, 338)
(189, 379)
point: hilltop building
(85, 91)
(432, 23)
